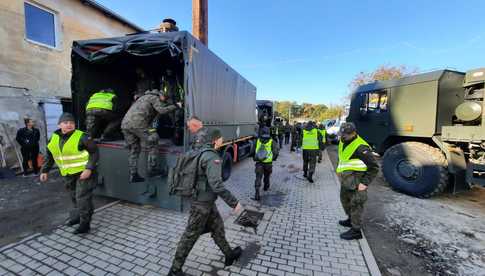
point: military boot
(173, 272)
(257, 196)
(345, 223)
(352, 234)
(305, 175)
(310, 178)
(72, 222)
(136, 178)
(82, 229)
(233, 256)
(266, 186)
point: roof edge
(111, 13)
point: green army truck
(429, 129)
(176, 61)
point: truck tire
(226, 165)
(415, 169)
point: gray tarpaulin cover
(214, 91)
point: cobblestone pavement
(298, 235)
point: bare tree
(383, 72)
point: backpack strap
(194, 188)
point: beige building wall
(46, 71)
(34, 77)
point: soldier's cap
(66, 117)
(265, 132)
(215, 134)
(169, 20)
(347, 128)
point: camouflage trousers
(98, 119)
(295, 140)
(320, 155)
(204, 218)
(281, 138)
(352, 200)
(138, 140)
(262, 170)
(309, 161)
(81, 192)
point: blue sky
(309, 50)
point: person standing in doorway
(28, 138)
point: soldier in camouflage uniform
(295, 136)
(204, 216)
(197, 131)
(356, 169)
(264, 168)
(143, 83)
(100, 113)
(76, 156)
(287, 133)
(311, 143)
(281, 133)
(139, 133)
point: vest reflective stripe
(69, 160)
(268, 148)
(310, 139)
(344, 155)
(101, 100)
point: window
(40, 25)
(375, 102)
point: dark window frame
(364, 106)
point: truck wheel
(416, 169)
(226, 165)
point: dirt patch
(409, 236)
(28, 207)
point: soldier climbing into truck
(172, 64)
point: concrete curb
(6, 247)
(369, 257)
(33, 236)
(107, 206)
(364, 245)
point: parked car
(332, 127)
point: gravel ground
(444, 235)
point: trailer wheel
(226, 165)
(415, 169)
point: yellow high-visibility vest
(101, 100)
(344, 155)
(268, 148)
(70, 159)
(310, 139)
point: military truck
(208, 87)
(430, 129)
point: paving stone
(298, 235)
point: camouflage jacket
(209, 180)
(144, 110)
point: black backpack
(183, 177)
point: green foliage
(316, 112)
